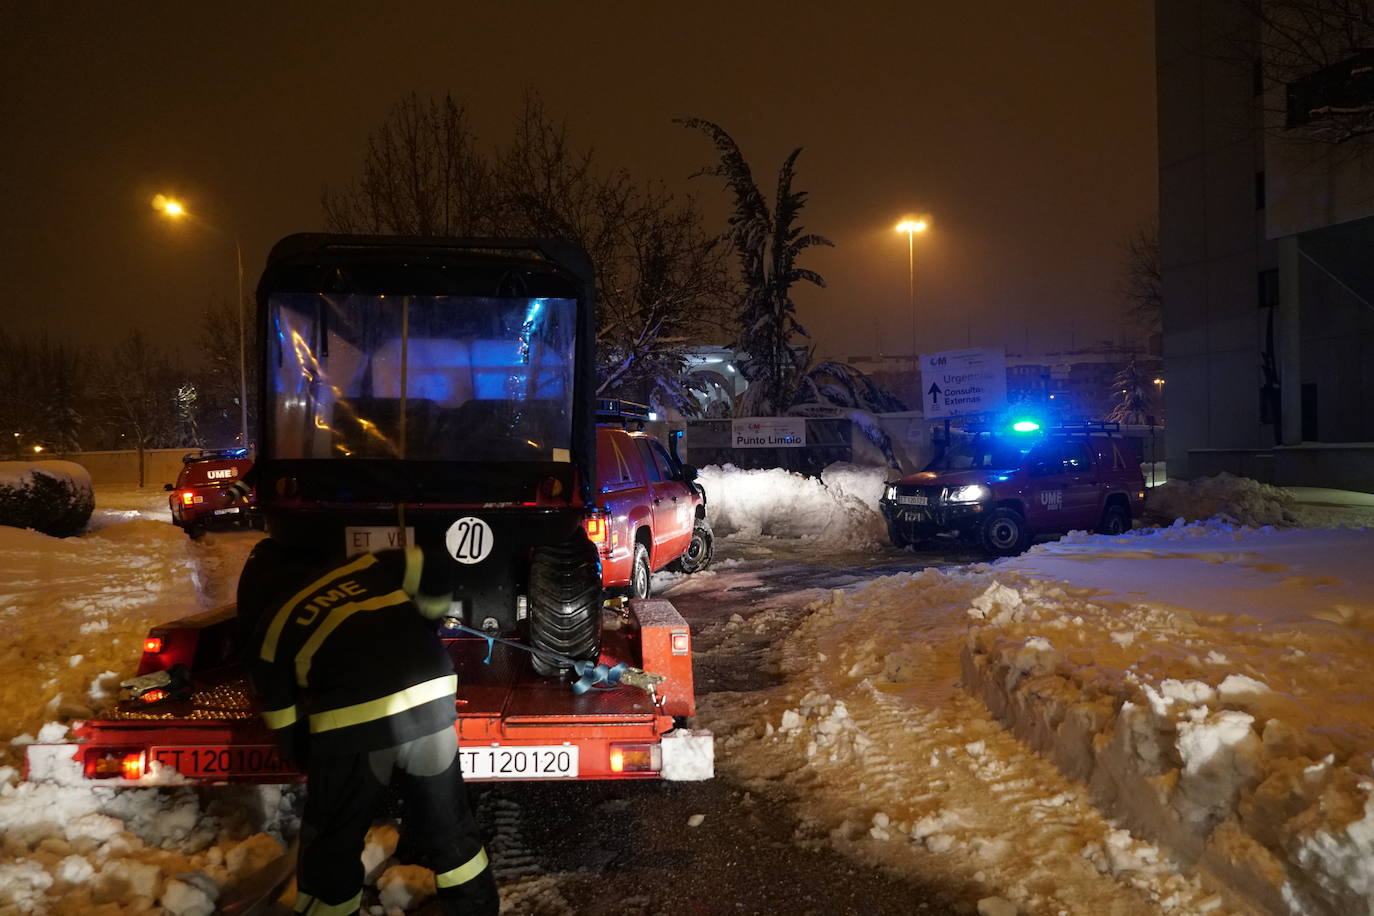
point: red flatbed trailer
(512, 724)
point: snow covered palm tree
(768, 243)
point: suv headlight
(890, 492)
(973, 493)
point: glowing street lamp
(911, 227)
(173, 209)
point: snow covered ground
(1207, 685)
(1194, 698)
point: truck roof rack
(627, 413)
(1087, 426)
(211, 454)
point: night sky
(1025, 131)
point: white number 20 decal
(469, 540)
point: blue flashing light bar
(1025, 426)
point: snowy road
(777, 835)
(858, 769)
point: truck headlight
(973, 493)
(890, 492)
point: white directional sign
(957, 383)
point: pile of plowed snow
(1237, 500)
(839, 507)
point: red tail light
(636, 758)
(156, 695)
(107, 763)
(597, 529)
(153, 644)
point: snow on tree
(217, 416)
(42, 386)
(1132, 399)
(768, 242)
(661, 279)
(137, 386)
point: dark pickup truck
(1001, 488)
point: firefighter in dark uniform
(357, 687)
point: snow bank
(898, 766)
(841, 507)
(75, 611)
(1242, 501)
(1211, 686)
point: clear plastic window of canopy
(420, 378)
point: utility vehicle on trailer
(429, 392)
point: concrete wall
(1339, 466)
(160, 466)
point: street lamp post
(911, 227)
(175, 210)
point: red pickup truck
(203, 498)
(654, 512)
(1001, 488)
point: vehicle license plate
(367, 538)
(519, 762)
(917, 500)
(217, 761)
(234, 510)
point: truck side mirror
(689, 472)
(168, 487)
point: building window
(1268, 289)
(1259, 190)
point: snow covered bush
(54, 497)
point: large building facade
(1266, 232)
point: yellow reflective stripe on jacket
(381, 707)
(318, 907)
(337, 616)
(463, 873)
(280, 718)
(415, 561)
(269, 644)
(303, 901)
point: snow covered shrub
(54, 497)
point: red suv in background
(654, 512)
(1001, 488)
(202, 497)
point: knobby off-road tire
(1004, 533)
(699, 551)
(896, 535)
(641, 573)
(1116, 519)
(565, 604)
